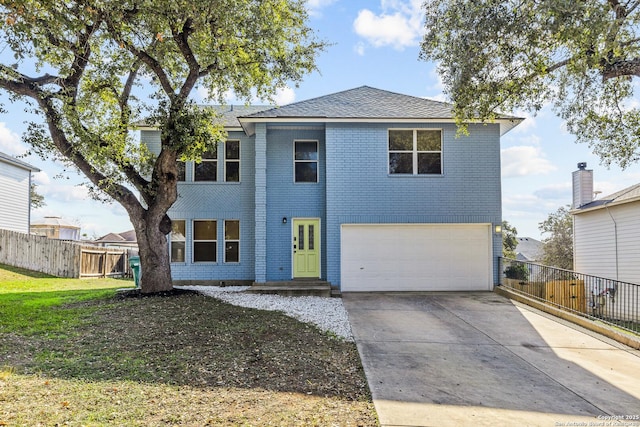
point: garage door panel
(416, 257)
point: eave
(249, 123)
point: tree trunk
(154, 253)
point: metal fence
(610, 301)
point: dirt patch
(193, 352)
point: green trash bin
(134, 263)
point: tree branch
(618, 9)
(143, 55)
(31, 90)
(631, 7)
(22, 78)
(182, 41)
(118, 192)
(621, 68)
(81, 54)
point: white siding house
(15, 199)
(606, 236)
(606, 244)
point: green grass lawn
(74, 352)
(27, 299)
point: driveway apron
(475, 359)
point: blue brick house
(367, 189)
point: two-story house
(367, 189)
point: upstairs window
(415, 152)
(305, 161)
(207, 169)
(232, 161)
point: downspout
(29, 207)
(615, 235)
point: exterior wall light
(498, 229)
(284, 219)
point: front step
(293, 288)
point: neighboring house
(55, 227)
(126, 239)
(15, 193)
(367, 189)
(529, 249)
(606, 232)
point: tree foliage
(509, 240)
(37, 199)
(558, 247)
(93, 69)
(580, 57)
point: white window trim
(238, 160)
(193, 241)
(224, 229)
(414, 152)
(184, 241)
(317, 161)
(216, 160)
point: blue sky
(374, 43)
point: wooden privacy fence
(99, 262)
(61, 258)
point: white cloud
(524, 160)
(398, 25)
(359, 48)
(285, 96)
(435, 91)
(527, 124)
(65, 193)
(438, 85)
(10, 141)
(560, 191)
(314, 6)
(41, 178)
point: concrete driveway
(473, 359)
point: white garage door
(416, 257)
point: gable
(364, 104)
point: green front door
(306, 248)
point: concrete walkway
(479, 359)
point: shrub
(517, 271)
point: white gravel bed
(327, 314)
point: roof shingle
(360, 103)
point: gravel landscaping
(328, 314)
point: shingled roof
(230, 113)
(629, 194)
(364, 103)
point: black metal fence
(610, 301)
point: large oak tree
(579, 56)
(93, 69)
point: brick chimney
(582, 186)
